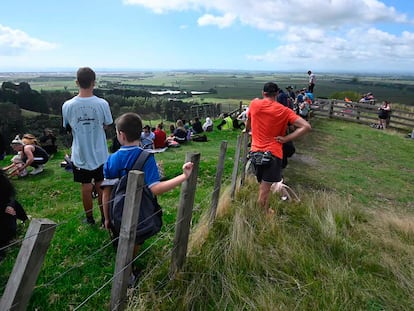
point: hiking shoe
(37, 170)
(284, 198)
(134, 277)
(89, 221)
(23, 173)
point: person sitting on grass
(48, 141)
(208, 125)
(15, 168)
(10, 211)
(128, 130)
(31, 155)
(160, 137)
(179, 135)
(147, 138)
(196, 126)
(226, 123)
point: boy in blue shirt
(128, 131)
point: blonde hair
(29, 139)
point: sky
(366, 36)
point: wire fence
(82, 261)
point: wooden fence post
(126, 240)
(244, 156)
(331, 106)
(217, 183)
(20, 285)
(184, 214)
(236, 167)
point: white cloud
(163, 6)
(220, 21)
(331, 33)
(14, 42)
(356, 49)
(276, 14)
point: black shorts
(85, 176)
(269, 173)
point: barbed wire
(19, 241)
(123, 269)
(147, 275)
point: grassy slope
(347, 246)
(83, 254)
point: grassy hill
(347, 245)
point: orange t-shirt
(269, 119)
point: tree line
(47, 105)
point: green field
(233, 85)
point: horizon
(101, 71)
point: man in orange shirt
(268, 121)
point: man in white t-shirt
(86, 116)
(312, 81)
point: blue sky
(276, 35)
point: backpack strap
(140, 161)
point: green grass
(348, 245)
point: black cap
(289, 87)
(270, 87)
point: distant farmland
(231, 85)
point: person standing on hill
(384, 114)
(312, 81)
(268, 120)
(86, 116)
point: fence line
(48, 228)
(218, 182)
(26, 269)
(185, 211)
(180, 220)
(361, 113)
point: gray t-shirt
(87, 117)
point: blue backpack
(150, 214)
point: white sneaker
(37, 170)
(23, 173)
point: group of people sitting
(180, 133)
(30, 153)
(368, 98)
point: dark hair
(85, 77)
(270, 88)
(131, 124)
(7, 191)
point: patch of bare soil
(305, 159)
